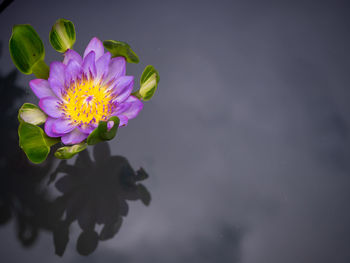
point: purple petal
(56, 79)
(110, 125)
(87, 128)
(95, 45)
(72, 72)
(116, 68)
(89, 64)
(122, 88)
(123, 120)
(74, 137)
(41, 88)
(57, 71)
(56, 86)
(72, 55)
(48, 127)
(62, 126)
(102, 65)
(135, 106)
(50, 106)
(120, 108)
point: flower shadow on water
(93, 192)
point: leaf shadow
(21, 197)
(95, 193)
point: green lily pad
(121, 49)
(31, 113)
(68, 152)
(62, 35)
(32, 141)
(27, 51)
(102, 133)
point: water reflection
(95, 193)
(21, 197)
(92, 192)
(4, 4)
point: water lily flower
(82, 91)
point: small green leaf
(68, 152)
(102, 133)
(62, 35)
(31, 113)
(119, 48)
(94, 137)
(148, 83)
(108, 134)
(32, 141)
(26, 48)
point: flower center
(85, 102)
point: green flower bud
(148, 83)
(62, 35)
(32, 114)
(68, 152)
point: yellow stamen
(86, 102)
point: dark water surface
(245, 148)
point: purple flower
(80, 92)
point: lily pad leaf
(68, 152)
(121, 49)
(31, 113)
(27, 51)
(148, 83)
(62, 35)
(32, 141)
(105, 131)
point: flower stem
(41, 70)
(51, 141)
(137, 94)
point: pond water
(241, 156)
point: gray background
(246, 141)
